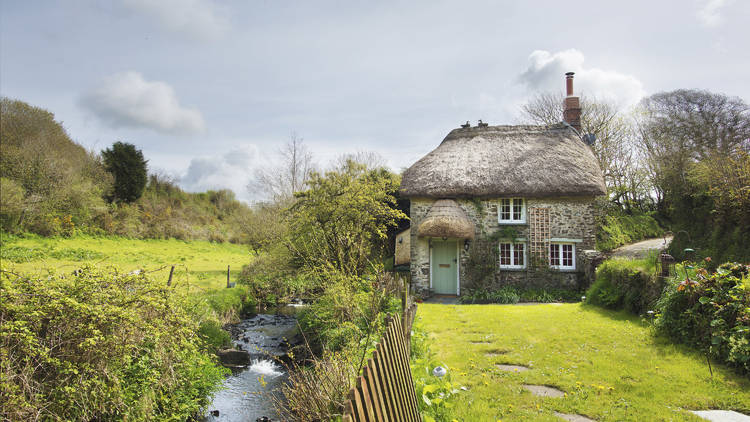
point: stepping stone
(721, 415)
(543, 390)
(496, 352)
(573, 418)
(512, 368)
(480, 342)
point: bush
(511, 295)
(710, 311)
(100, 345)
(505, 294)
(350, 312)
(272, 280)
(626, 284)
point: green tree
(340, 222)
(127, 165)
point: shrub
(626, 284)
(272, 280)
(350, 312)
(710, 311)
(505, 294)
(510, 294)
(100, 345)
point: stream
(247, 394)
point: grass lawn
(608, 364)
(199, 265)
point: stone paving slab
(721, 415)
(573, 418)
(512, 368)
(543, 390)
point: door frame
(458, 261)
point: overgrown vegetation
(50, 185)
(514, 294)
(100, 345)
(711, 312)
(617, 228)
(707, 309)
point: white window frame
(559, 246)
(513, 202)
(512, 250)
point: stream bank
(258, 344)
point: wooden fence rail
(385, 390)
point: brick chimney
(572, 104)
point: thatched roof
(446, 219)
(529, 161)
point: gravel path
(640, 249)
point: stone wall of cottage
(570, 218)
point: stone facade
(572, 220)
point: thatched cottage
(524, 192)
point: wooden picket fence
(385, 390)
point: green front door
(444, 262)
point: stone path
(721, 415)
(543, 390)
(512, 368)
(573, 418)
(640, 249)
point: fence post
(228, 286)
(171, 271)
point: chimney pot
(569, 83)
(572, 104)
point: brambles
(100, 345)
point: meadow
(199, 265)
(609, 365)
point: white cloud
(199, 19)
(546, 73)
(231, 170)
(709, 14)
(128, 100)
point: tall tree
(680, 128)
(279, 181)
(127, 165)
(614, 148)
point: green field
(199, 265)
(609, 365)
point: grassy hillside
(199, 265)
(52, 186)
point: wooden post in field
(171, 271)
(228, 286)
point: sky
(210, 90)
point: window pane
(554, 255)
(505, 254)
(518, 254)
(505, 209)
(567, 254)
(517, 205)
